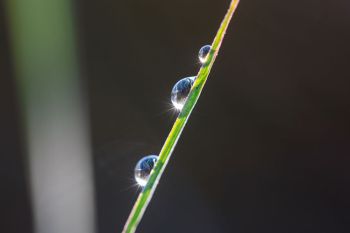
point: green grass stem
(146, 195)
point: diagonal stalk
(145, 196)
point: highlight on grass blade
(186, 108)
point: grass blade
(145, 196)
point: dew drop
(203, 53)
(180, 91)
(143, 169)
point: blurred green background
(267, 147)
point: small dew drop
(203, 53)
(143, 169)
(180, 91)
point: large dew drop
(203, 53)
(180, 91)
(143, 169)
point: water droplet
(180, 91)
(203, 53)
(143, 169)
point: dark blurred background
(266, 148)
